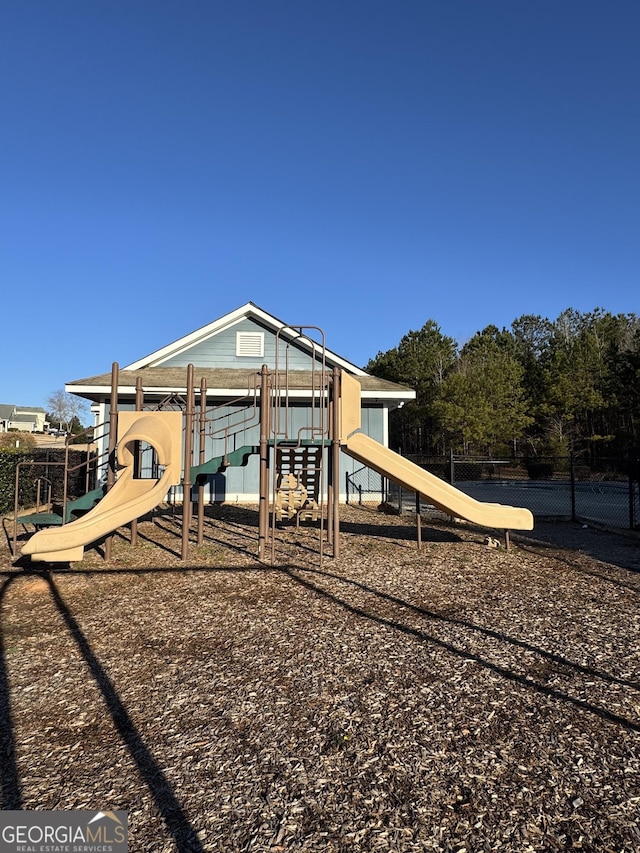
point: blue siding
(220, 351)
(372, 420)
(242, 422)
(244, 430)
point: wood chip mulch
(458, 698)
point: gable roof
(161, 376)
(8, 409)
(249, 311)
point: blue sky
(359, 166)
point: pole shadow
(296, 575)
(9, 776)
(176, 821)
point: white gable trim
(248, 311)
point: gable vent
(250, 344)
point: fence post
(452, 477)
(572, 479)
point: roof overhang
(158, 383)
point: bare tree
(64, 407)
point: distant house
(22, 418)
(226, 355)
(6, 414)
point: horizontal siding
(372, 420)
(240, 483)
(220, 351)
(236, 482)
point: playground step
(41, 519)
(216, 464)
(73, 511)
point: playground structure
(151, 453)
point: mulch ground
(458, 698)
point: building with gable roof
(226, 355)
(22, 418)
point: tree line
(539, 388)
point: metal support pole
(201, 456)
(335, 461)
(113, 439)
(263, 505)
(572, 479)
(188, 453)
(418, 521)
(331, 486)
(16, 505)
(137, 456)
(65, 482)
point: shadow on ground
(617, 549)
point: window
(250, 344)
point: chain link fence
(601, 492)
